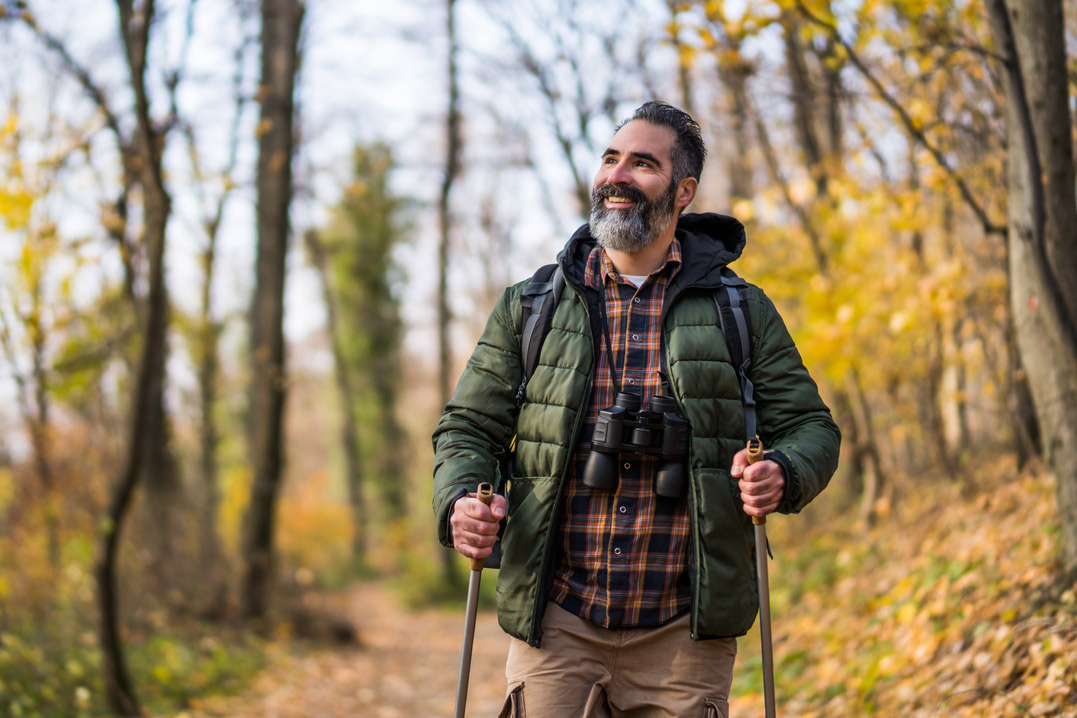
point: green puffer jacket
(480, 420)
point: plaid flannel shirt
(623, 553)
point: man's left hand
(762, 484)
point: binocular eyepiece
(626, 428)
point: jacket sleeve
(479, 421)
(792, 417)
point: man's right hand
(475, 525)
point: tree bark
(684, 68)
(452, 169)
(349, 430)
(1042, 224)
(735, 78)
(281, 23)
(135, 26)
(208, 370)
(453, 150)
(215, 593)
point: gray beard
(634, 229)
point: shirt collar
(600, 269)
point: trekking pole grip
(485, 494)
(755, 454)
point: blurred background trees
(205, 414)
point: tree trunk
(349, 430)
(1042, 225)
(805, 103)
(452, 169)
(684, 66)
(1026, 424)
(735, 78)
(819, 142)
(453, 150)
(213, 577)
(134, 29)
(281, 22)
(208, 370)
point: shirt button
(628, 465)
(631, 381)
(635, 299)
(635, 337)
(617, 552)
(623, 509)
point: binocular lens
(661, 404)
(625, 428)
(600, 471)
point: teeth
(620, 200)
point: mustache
(634, 194)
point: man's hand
(474, 525)
(762, 484)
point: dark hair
(688, 151)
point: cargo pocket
(514, 704)
(716, 708)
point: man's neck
(645, 261)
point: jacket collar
(709, 242)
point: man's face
(634, 199)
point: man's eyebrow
(641, 155)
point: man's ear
(686, 192)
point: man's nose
(619, 174)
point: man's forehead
(639, 136)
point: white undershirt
(636, 279)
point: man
(620, 601)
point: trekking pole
(485, 495)
(755, 453)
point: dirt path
(406, 665)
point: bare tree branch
(778, 178)
(989, 227)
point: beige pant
(586, 671)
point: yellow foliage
(15, 199)
(7, 487)
(15, 206)
(235, 484)
(743, 210)
(314, 531)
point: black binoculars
(625, 428)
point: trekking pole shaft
(764, 618)
(485, 495)
(755, 453)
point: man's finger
(476, 509)
(740, 462)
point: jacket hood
(709, 242)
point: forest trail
(406, 664)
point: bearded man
(623, 598)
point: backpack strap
(537, 302)
(732, 301)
